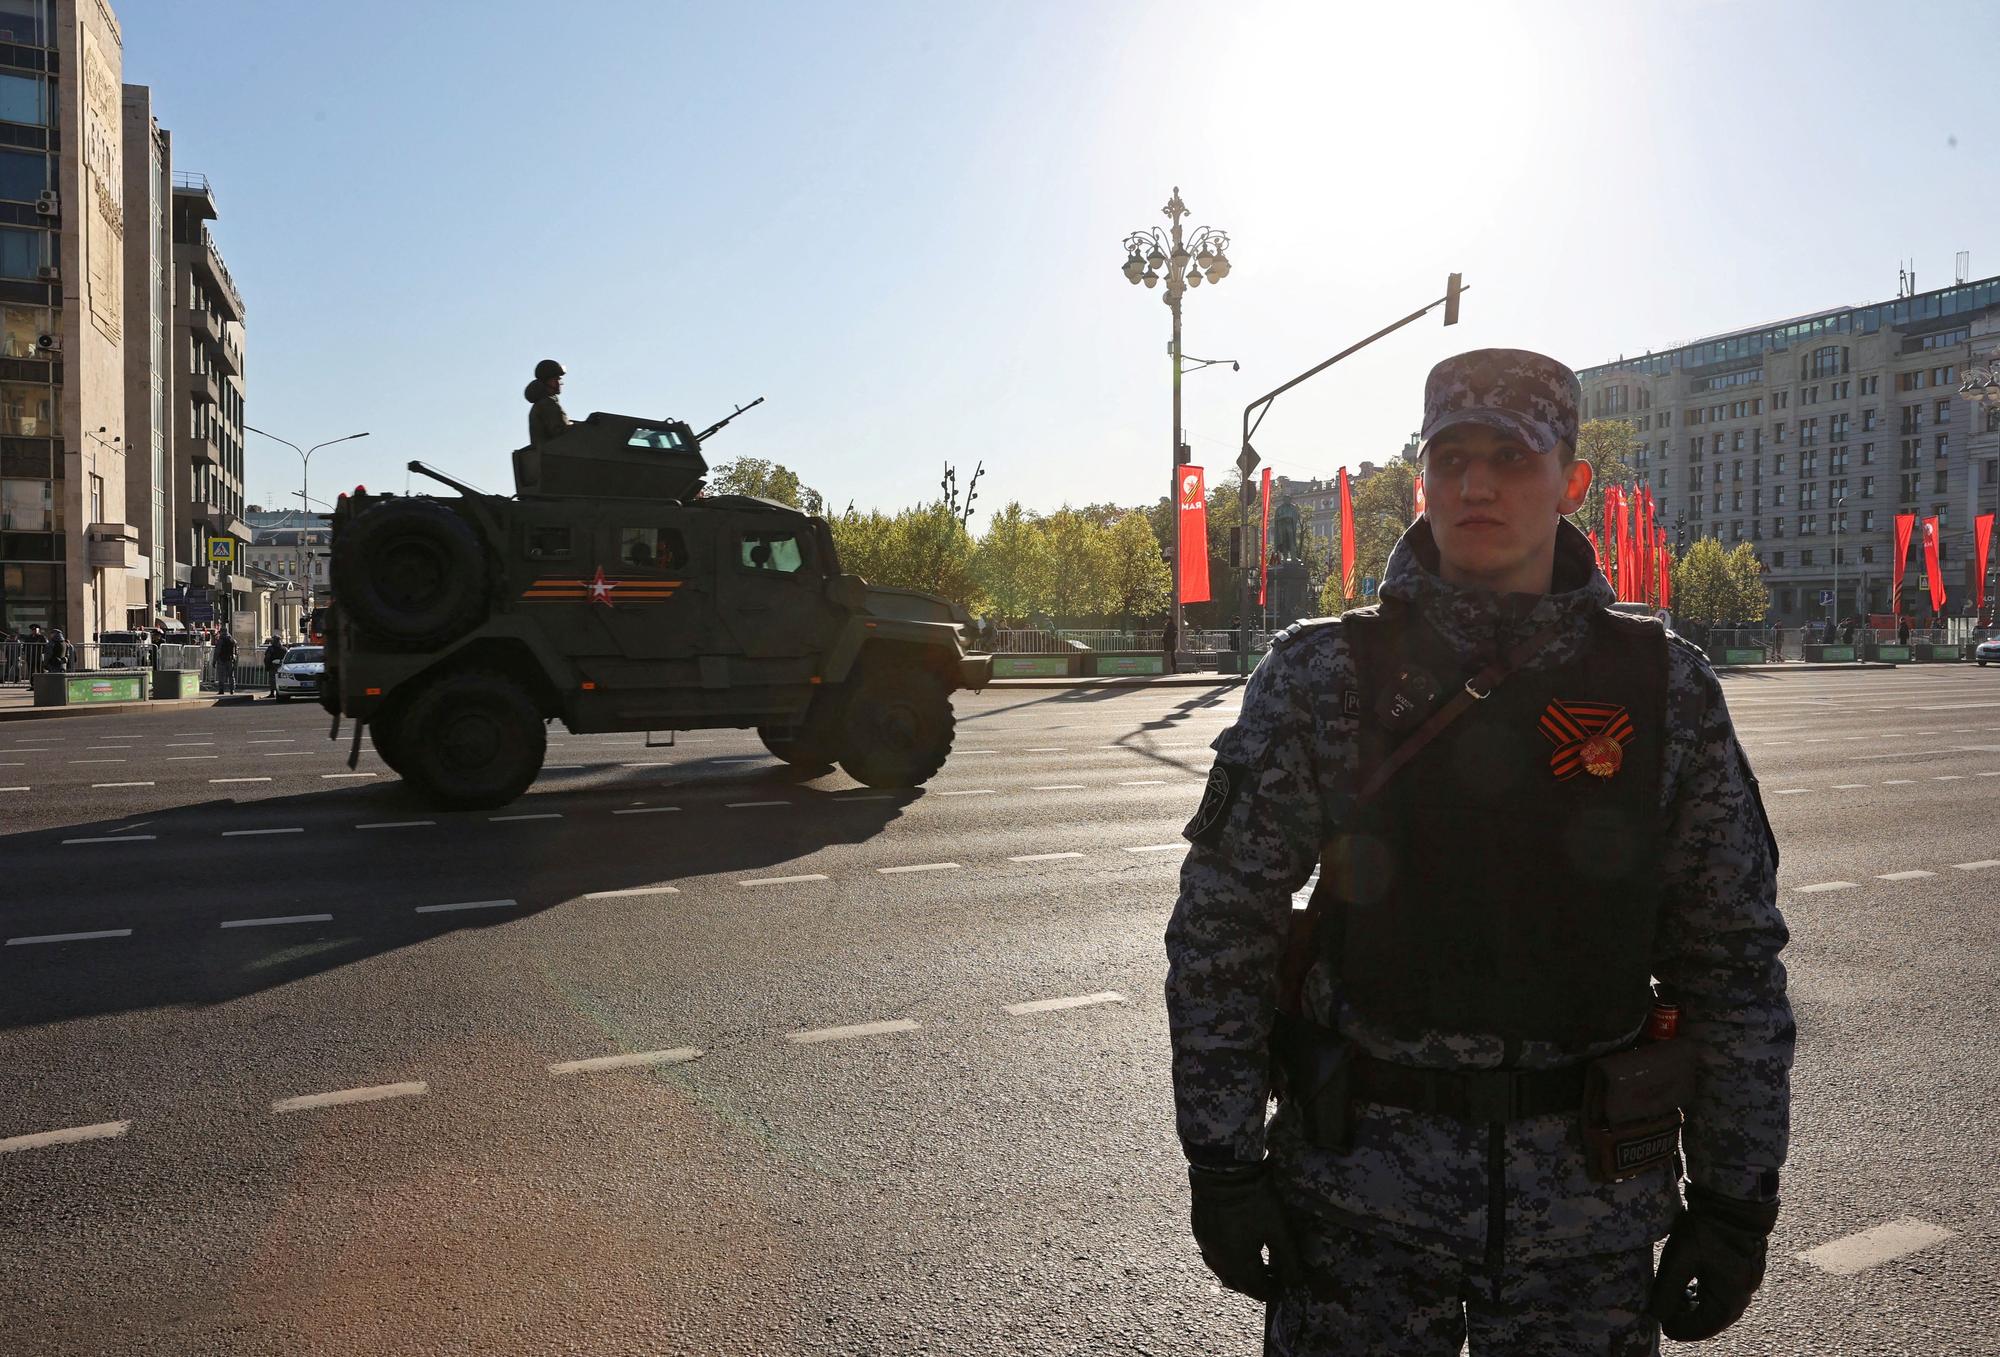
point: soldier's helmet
(1528, 395)
(548, 368)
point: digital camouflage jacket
(1434, 1181)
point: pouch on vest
(1632, 1103)
(1309, 1069)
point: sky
(901, 223)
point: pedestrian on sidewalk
(1903, 630)
(1474, 972)
(55, 659)
(225, 662)
(274, 655)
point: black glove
(1712, 1264)
(1236, 1217)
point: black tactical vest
(1497, 885)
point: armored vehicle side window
(655, 438)
(548, 544)
(652, 548)
(778, 552)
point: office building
(207, 382)
(1806, 437)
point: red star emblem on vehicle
(600, 588)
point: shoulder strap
(1298, 954)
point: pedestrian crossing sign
(222, 551)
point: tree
(1751, 600)
(1607, 445)
(765, 480)
(1704, 589)
(1384, 505)
(1140, 580)
(1011, 565)
(1080, 578)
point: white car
(1988, 649)
(299, 673)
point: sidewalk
(17, 703)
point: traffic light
(1453, 286)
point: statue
(1285, 531)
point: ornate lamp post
(1183, 261)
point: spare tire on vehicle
(410, 571)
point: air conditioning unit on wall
(48, 203)
(48, 273)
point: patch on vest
(1590, 737)
(1224, 779)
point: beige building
(1807, 437)
(150, 506)
(207, 383)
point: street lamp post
(1839, 522)
(1184, 261)
(305, 499)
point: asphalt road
(826, 1123)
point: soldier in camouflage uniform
(1472, 1211)
(546, 417)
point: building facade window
(24, 175)
(21, 252)
(23, 98)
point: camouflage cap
(1528, 395)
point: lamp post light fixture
(1181, 261)
(305, 491)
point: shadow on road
(176, 891)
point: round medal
(1601, 755)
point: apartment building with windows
(1806, 437)
(206, 370)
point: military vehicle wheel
(898, 727)
(382, 733)
(802, 746)
(471, 741)
(410, 571)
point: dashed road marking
(1858, 1252)
(98, 760)
(645, 810)
(1060, 787)
(270, 742)
(921, 867)
(1978, 866)
(1148, 782)
(95, 786)
(397, 824)
(1825, 886)
(537, 815)
(103, 1130)
(561, 767)
(16, 789)
(1052, 1005)
(1042, 857)
(1050, 749)
(631, 890)
(1848, 786)
(977, 791)
(1154, 848)
(863, 1029)
(331, 776)
(291, 754)
(175, 758)
(1948, 777)
(782, 880)
(70, 937)
(1900, 782)
(374, 1094)
(1790, 791)
(192, 744)
(961, 753)
(1903, 876)
(253, 833)
(280, 919)
(116, 838)
(680, 1055)
(238, 779)
(752, 805)
(466, 904)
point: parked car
(300, 672)
(120, 649)
(1988, 649)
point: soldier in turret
(545, 414)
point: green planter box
(1738, 655)
(1030, 666)
(1929, 653)
(176, 684)
(1888, 654)
(1830, 654)
(68, 690)
(1127, 664)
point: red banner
(1194, 535)
(1417, 495)
(1649, 550)
(1931, 574)
(1596, 551)
(1347, 552)
(1614, 504)
(1263, 545)
(1900, 561)
(1982, 543)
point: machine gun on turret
(721, 423)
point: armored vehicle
(610, 594)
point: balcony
(203, 324)
(193, 189)
(203, 387)
(208, 265)
(115, 546)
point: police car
(1988, 649)
(300, 672)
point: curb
(206, 700)
(1829, 668)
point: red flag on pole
(1904, 524)
(1347, 552)
(1610, 528)
(1194, 535)
(1418, 495)
(1263, 547)
(1931, 565)
(1666, 576)
(1596, 551)
(1621, 550)
(1982, 544)
(1649, 555)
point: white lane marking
(782, 880)
(661, 764)
(97, 785)
(192, 744)
(1060, 787)
(253, 833)
(1050, 749)
(1899, 782)
(340, 775)
(1978, 866)
(70, 937)
(560, 767)
(98, 760)
(645, 810)
(175, 758)
(1995, 773)
(1790, 791)
(120, 838)
(632, 890)
(680, 1055)
(862, 1029)
(374, 1094)
(1847, 786)
(752, 805)
(1043, 857)
(538, 815)
(270, 742)
(1948, 777)
(1051, 1005)
(291, 754)
(1902, 876)
(961, 753)
(280, 919)
(101, 747)
(980, 791)
(239, 779)
(921, 867)
(1825, 886)
(103, 1130)
(268, 730)
(466, 904)
(1153, 848)
(396, 824)
(1149, 782)
(1773, 744)
(1952, 706)
(1858, 1252)
(16, 789)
